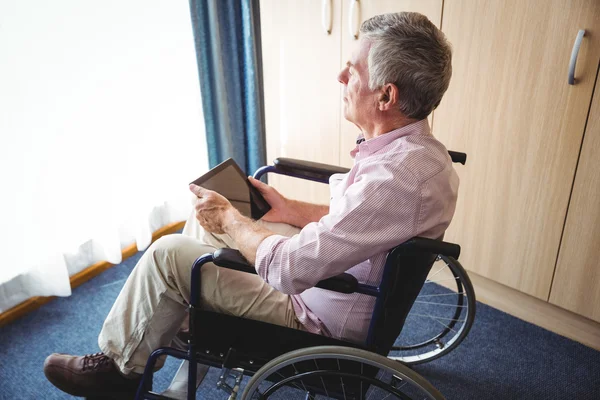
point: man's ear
(388, 97)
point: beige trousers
(152, 306)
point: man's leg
(152, 306)
(163, 282)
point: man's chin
(346, 114)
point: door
(301, 55)
(354, 12)
(576, 284)
(511, 109)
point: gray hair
(409, 51)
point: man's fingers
(257, 183)
(253, 181)
(199, 191)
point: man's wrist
(292, 215)
(247, 234)
(231, 219)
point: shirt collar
(371, 146)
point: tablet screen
(228, 180)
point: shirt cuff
(265, 253)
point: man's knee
(169, 243)
(174, 254)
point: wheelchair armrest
(431, 246)
(307, 169)
(233, 259)
(342, 283)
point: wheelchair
(419, 277)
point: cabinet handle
(354, 19)
(574, 55)
(326, 16)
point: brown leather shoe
(92, 375)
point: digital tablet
(228, 180)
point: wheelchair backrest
(405, 272)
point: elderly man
(402, 185)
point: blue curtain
(227, 37)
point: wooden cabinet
(300, 65)
(576, 284)
(510, 108)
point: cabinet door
(300, 66)
(576, 284)
(355, 12)
(511, 109)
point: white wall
(92, 92)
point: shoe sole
(107, 396)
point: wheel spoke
(301, 381)
(442, 280)
(440, 304)
(341, 379)
(437, 272)
(361, 382)
(441, 323)
(434, 317)
(283, 376)
(322, 381)
(442, 294)
(398, 379)
(370, 394)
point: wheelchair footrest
(226, 374)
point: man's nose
(343, 76)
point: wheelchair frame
(238, 353)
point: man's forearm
(302, 213)
(246, 233)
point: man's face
(360, 102)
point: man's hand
(293, 212)
(216, 214)
(213, 211)
(279, 204)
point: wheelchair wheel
(441, 316)
(335, 372)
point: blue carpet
(502, 358)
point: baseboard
(536, 311)
(36, 302)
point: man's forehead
(360, 53)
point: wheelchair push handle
(431, 246)
(458, 157)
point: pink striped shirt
(402, 185)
